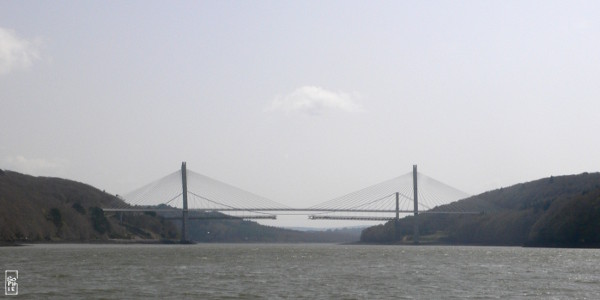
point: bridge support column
(397, 220)
(416, 206)
(184, 217)
(397, 206)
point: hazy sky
(300, 101)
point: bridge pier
(397, 207)
(397, 219)
(416, 206)
(184, 216)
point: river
(301, 271)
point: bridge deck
(256, 210)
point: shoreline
(92, 242)
(4, 244)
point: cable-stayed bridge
(185, 191)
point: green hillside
(559, 211)
(44, 209)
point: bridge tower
(184, 217)
(397, 207)
(397, 219)
(416, 206)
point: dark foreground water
(304, 271)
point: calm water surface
(301, 271)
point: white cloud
(35, 166)
(15, 52)
(315, 100)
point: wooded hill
(44, 209)
(561, 211)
